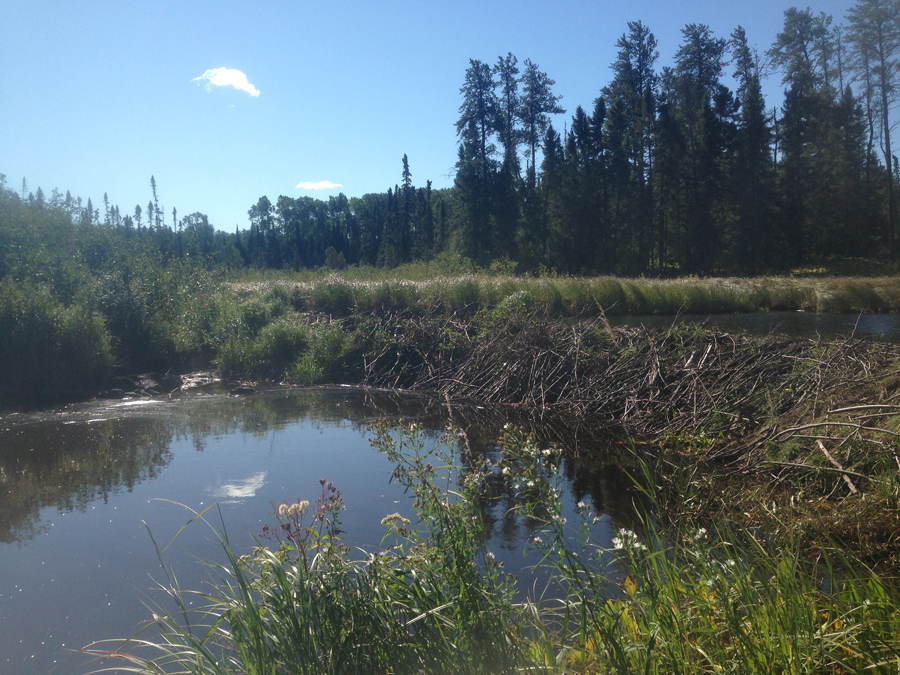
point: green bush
(47, 351)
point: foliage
(47, 349)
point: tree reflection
(69, 459)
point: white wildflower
(395, 518)
(582, 505)
(283, 510)
(538, 540)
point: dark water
(792, 324)
(81, 488)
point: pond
(83, 488)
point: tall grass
(573, 296)
(432, 599)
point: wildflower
(531, 483)
(582, 505)
(283, 510)
(490, 554)
(505, 470)
(538, 540)
(298, 508)
(395, 518)
(560, 520)
(547, 452)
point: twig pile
(737, 391)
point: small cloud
(227, 77)
(321, 185)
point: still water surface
(809, 325)
(81, 488)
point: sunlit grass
(571, 296)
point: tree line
(675, 170)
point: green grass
(432, 599)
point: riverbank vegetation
(84, 303)
(432, 598)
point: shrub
(47, 350)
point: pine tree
(750, 171)
(875, 38)
(508, 110)
(702, 106)
(630, 123)
(537, 102)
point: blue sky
(98, 96)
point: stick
(798, 465)
(831, 459)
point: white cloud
(321, 185)
(227, 77)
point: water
(792, 324)
(81, 489)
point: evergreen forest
(670, 171)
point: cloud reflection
(241, 489)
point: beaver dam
(809, 422)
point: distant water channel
(81, 487)
(810, 325)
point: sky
(224, 102)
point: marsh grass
(577, 296)
(432, 599)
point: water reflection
(69, 466)
(240, 489)
(77, 483)
(69, 458)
